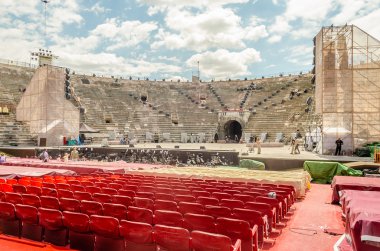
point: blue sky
(166, 38)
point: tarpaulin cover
(324, 172)
(362, 211)
(252, 164)
(353, 183)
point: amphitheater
(186, 180)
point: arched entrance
(232, 128)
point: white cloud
(213, 28)
(300, 55)
(124, 34)
(222, 63)
(370, 23)
(274, 39)
(98, 9)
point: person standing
(338, 148)
(258, 144)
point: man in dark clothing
(339, 144)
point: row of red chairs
(141, 209)
(95, 232)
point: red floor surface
(304, 230)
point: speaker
(158, 146)
(42, 142)
(131, 145)
(202, 147)
(176, 147)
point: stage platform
(274, 158)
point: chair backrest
(105, 226)
(62, 186)
(221, 195)
(203, 241)
(190, 207)
(77, 222)
(123, 200)
(165, 205)
(115, 186)
(231, 204)
(34, 190)
(13, 198)
(144, 203)
(129, 193)
(140, 215)
(51, 192)
(171, 238)
(163, 190)
(199, 222)
(218, 211)
(117, 211)
(102, 198)
(182, 192)
(208, 201)
(138, 236)
(7, 211)
(49, 185)
(79, 195)
(243, 197)
(198, 193)
(110, 191)
(148, 195)
(64, 193)
(93, 189)
(77, 187)
(164, 196)
(237, 229)
(27, 213)
(131, 187)
(67, 204)
(17, 188)
(91, 207)
(168, 218)
(184, 198)
(149, 189)
(49, 202)
(31, 200)
(50, 219)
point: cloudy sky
(166, 38)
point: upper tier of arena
(141, 108)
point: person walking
(339, 143)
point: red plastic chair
(102, 198)
(28, 216)
(198, 193)
(123, 200)
(20, 189)
(34, 190)
(77, 188)
(243, 197)
(238, 229)
(128, 193)
(106, 231)
(11, 181)
(49, 185)
(81, 238)
(62, 193)
(171, 238)
(253, 218)
(138, 236)
(6, 187)
(182, 192)
(231, 204)
(189, 207)
(208, 201)
(130, 187)
(49, 192)
(93, 189)
(31, 200)
(203, 241)
(220, 195)
(149, 189)
(148, 195)
(8, 221)
(265, 209)
(144, 203)
(231, 191)
(110, 191)
(72, 205)
(91, 207)
(168, 218)
(164, 196)
(184, 198)
(78, 195)
(49, 202)
(199, 222)
(274, 203)
(165, 205)
(218, 211)
(164, 190)
(62, 186)
(115, 186)
(117, 211)
(13, 198)
(140, 215)
(55, 231)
